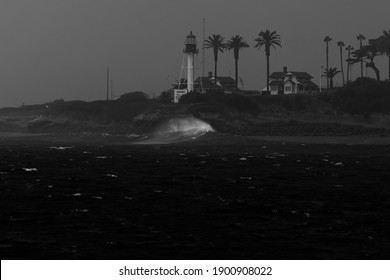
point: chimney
(210, 75)
(285, 69)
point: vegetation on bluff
(230, 113)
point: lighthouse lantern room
(191, 44)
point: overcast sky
(53, 49)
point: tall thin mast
(108, 81)
(203, 49)
(112, 89)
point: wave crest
(179, 130)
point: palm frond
(331, 72)
(268, 39)
(215, 42)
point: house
(226, 85)
(291, 82)
(205, 84)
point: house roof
(310, 84)
(205, 83)
(299, 75)
(223, 83)
(276, 83)
(225, 80)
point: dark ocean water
(198, 200)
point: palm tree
(236, 43)
(268, 39)
(384, 45)
(215, 42)
(327, 39)
(349, 49)
(360, 37)
(341, 44)
(330, 74)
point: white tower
(190, 51)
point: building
(206, 84)
(291, 82)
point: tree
(367, 54)
(383, 44)
(236, 43)
(349, 49)
(360, 37)
(327, 39)
(330, 74)
(268, 39)
(341, 44)
(215, 42)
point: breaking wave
(178, 130)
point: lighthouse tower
(190, 50)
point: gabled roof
(299, 75)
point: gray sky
(52, 49)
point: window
(274, 88)
(287, 88)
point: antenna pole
(203, 49)
(108, 81)
(112, 89)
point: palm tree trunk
(348, 67)
(342, 67)
(267, 74)
(327, 66)
(389, 67)
(361, 62)
(215, 72)
(236, 73)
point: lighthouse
(190, 50)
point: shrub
(166, 96)
(355, 99)
(136, 96)
(194, 97)
(241, 103)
